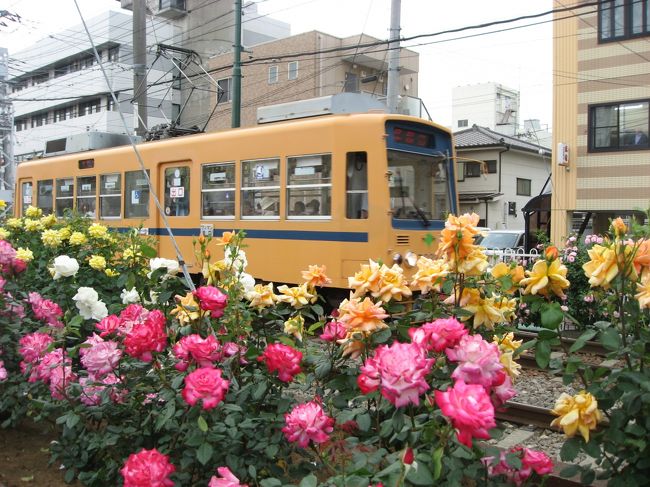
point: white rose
(129, 297)
(239, 263)
(64, 266)
(89, 305)
(248, 282)
(158, 262)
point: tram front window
(419, 186)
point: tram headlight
(397, 258)
(411, 259)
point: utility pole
(393, 87)
(140, 64)
(6, 127)
(236, 68)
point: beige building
(601, 121)
(309, 65)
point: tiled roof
(476, 136)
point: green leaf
(381, 336)
(419, 474)
(610, 339)
(148, 251)
(323, 368)
(437, 462)
(570, 471)
(204, 453)
(570, 449)
(309, 481)
(270, 482)
(203, 425)
(582, 339)
(72, 420)
(364, 422)
(252, 471)
(543, 353)
(551, 315)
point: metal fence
(512, 255)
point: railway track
(526, 414)
(589, 346)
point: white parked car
(503, 239)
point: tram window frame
(260, 189)
(177, 202)
(135, 187)
(44, 187)
(27, 195)
(68, 195)
(356, 185)
(86, 198)
(110, 191)
(309, 181)
(218, 187)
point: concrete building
(490, 105)
(498, 175)
(312, 65)
(206, 28)
(601, 120)
(58, 89)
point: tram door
(174, 193)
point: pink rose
(147, 468)
(3, 371)
(51, 361)
(108, 325)
(439, 334)
(478, 361)
(101, 358)
(133, 314)
(225, 479)
(207, 385)
(147, 337)
(502, 391)
(537, 461)
(333, 331)
(60, 378)
(45, 310)
(307, 422)
(402, 369)
(284, 359)
(369, 378)
(33, 346)
(470, 410)
(193, 348)
(211, 299)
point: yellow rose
(48, 221)
(295, 326)
(430, 275)
(33, 212)
(392, 285)
(111, 272)
(484, 313)
(262, 296)
(603, 266)
(77, 238)
(97, 262)
(577, 413)
(32, 225)
(3, 205)
(14, 223)
(97, 230)
(4, 233)
(25, 255)
(362, 316)
(187, 309)
(51, 238)
(643, 296)
(546, 278)
(65, 233)
(297, 296)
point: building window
(523, 187)
(273, 74)
(309, 186)
(223, 90)
(292, 70)
(60, 115)
(623, 19)
(113, 54)
(463, 123)
(110, 104)
(620, 126)
(39, 120)
(90, 106)
(472, 169)
(491, 167)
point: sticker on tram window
(207, 229)
(412, 137)
(135, 197)
(109, 185)
(177, 192)
(27, 200)
(85, 187)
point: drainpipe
(506, 149)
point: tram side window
(218, 190)
(356, 185)
(86, 191)
(136, 195)
(44, 199)
(260, 192)
(309, 186)
(177, 191)
(110, 195)
(64, 195)
(27, 189)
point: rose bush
(255, 381)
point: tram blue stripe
(269, 234)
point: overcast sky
(519, 58)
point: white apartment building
(498, 175)
(490, 105)
(58, 89)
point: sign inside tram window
(412, 137)
(177, 192)
(85, 187)
(86, 163)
